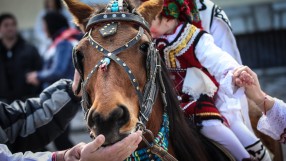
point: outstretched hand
(245, 77)
(93, 150)
(117, 152)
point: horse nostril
(121, 115)
(95, 119)
(115, 120)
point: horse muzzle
(110, 125)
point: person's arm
(59, 67)
(81, 152)
(5, 154)
(224, 38)
(37, 121)
(273, 122)
(218, 63)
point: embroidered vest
(178, 56)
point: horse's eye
(144, 47)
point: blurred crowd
(26, 69)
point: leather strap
(117, 17)
(162, 154)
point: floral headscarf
(184, 10)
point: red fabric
(54, 156)
(187, 60)
(67, 34)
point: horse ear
(80, 11)
(150, 9)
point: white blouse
(274, 122)
(219, 64)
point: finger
(120, 147)
(95, 144)
(238, 70)
(238, 82)
(126, 153)
(80, 146)
(247, 78)
(131, 147)
(139, 139)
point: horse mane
(187, 141)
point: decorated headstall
(117, 12)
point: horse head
(124, 84)
(111, 59)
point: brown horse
(126, 88)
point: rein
(154, 83)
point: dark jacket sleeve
(32, 124)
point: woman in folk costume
(198, 67)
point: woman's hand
(245, 77)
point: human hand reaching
(117, 152)
(245, 77)
(76, 84)
(94, 152)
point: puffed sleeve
(274, 122)
(219, 64)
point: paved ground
(273, 82)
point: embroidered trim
(177, 42)
(203, 7)
(189, 43)
(183, 43)
(219, 13)
(161, 140)
(208, 114)
(181, 46)
(176, 70)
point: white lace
(189, 43)
(274, 122)
(176, 44)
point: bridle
(153, 62)
(117, 12)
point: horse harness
(117, 12)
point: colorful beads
(161, 140)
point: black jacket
(14, 65)
(32, 124)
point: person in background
(42, 41)
(58, 58)
(57, 62)
(17, 57)
(273, 120)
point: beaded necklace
(161, 140)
